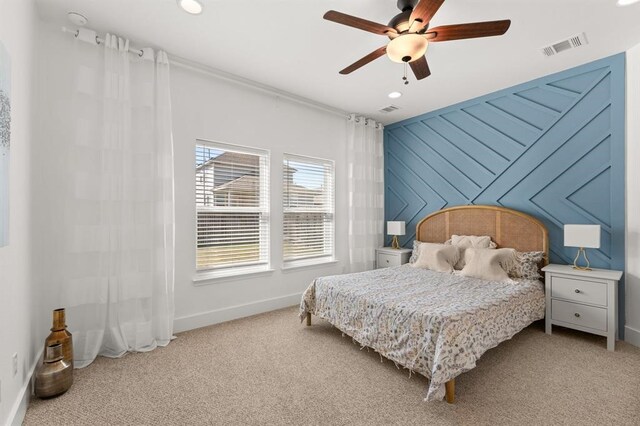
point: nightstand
(582, 300)
(387, 256)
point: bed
(433, 323)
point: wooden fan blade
(420, 68)
(359, 23)
(425, 10)
(364, 61)
(471, 30)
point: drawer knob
(578, 290)
(387, 260)
(577, 315)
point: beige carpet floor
(270, 369)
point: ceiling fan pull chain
(405, 74)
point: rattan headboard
(506, 227)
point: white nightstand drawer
(387, 256)
(585, 316)
(579, 290)
(386, 260)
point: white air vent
(389, 108)
(562, 45)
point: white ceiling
(287, 45)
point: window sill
(304, 264)
(212, 277)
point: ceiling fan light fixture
(410, 34)
(193, 7)
(407, 48)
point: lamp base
(395, 243)
(581, 268)
(575, 261)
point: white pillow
(437, 257)
(469, 241)
(488, 264)
(466, 241)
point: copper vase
(60, 335)
(55, 375)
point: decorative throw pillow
(437, 257)
(488, 264)
(414, 252)
(526, 265)
(474, 241)
(469, 241)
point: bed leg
(308, 319)
(450, 388)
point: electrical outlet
(15, 364)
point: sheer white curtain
(366, 191)
(119, 207)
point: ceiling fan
(410, 34)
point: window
(308, 208)
(232, 205)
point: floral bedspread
(433, 323)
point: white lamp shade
(587, 236)
(395, 228)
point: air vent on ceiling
(562, 45)
(389, 108)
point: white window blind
(308, 208)
(232, 205)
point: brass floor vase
(60, 335)
(55, 375)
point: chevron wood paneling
(552, 147)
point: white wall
(203, 108)
(632, 276)
(211, 109)
(17, 331)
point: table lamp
(582, 236)
(395, 228)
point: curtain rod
(91, 37)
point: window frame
(264, 264)
(320, 259)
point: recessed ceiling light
(626, 2)
(193, 7)
(395, 95)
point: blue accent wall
(552, 147)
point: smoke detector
(77, 19)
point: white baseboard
(632, 335)
(19, 409)
(234, 312)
